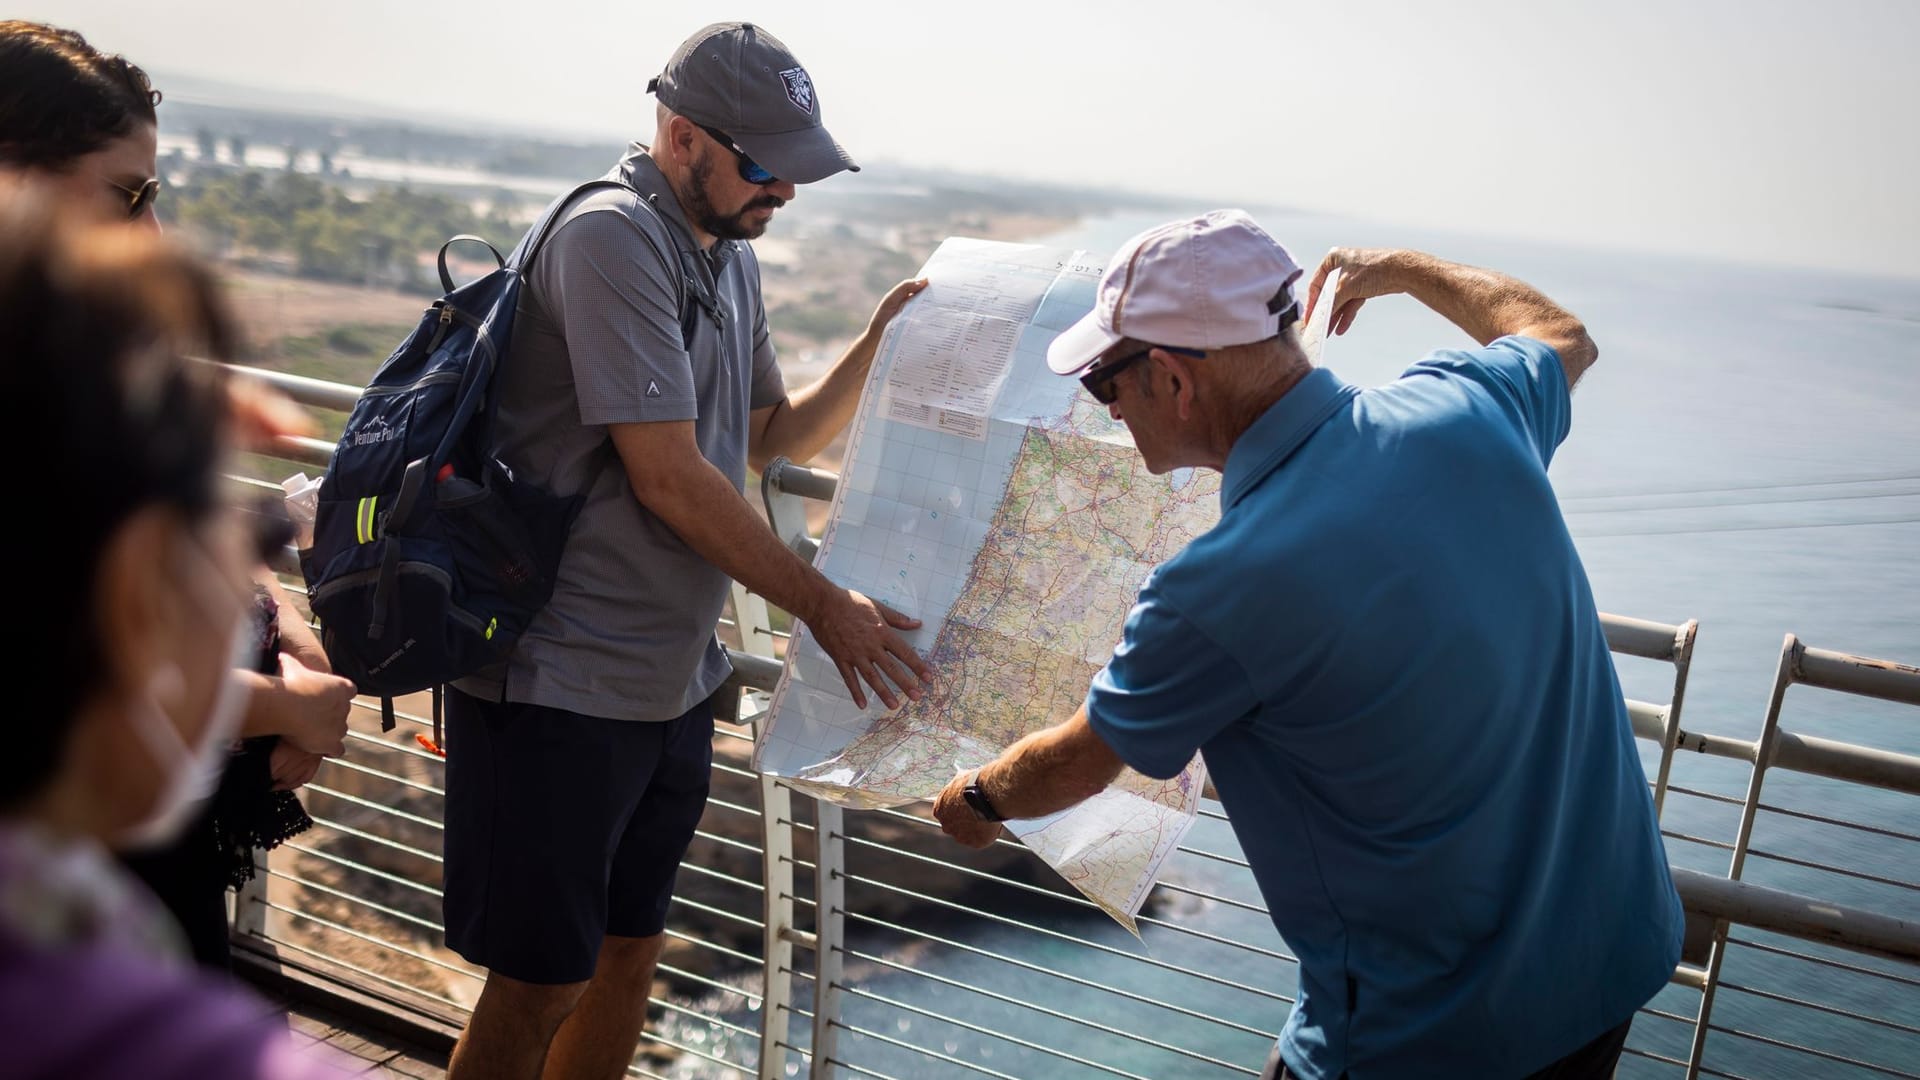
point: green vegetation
(885, 267)
(816, 320)
(388, 238)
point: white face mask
(192, 773)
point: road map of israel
(1009, 512)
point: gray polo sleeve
(613, 293)
(769, 386)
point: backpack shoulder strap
(537, 236)
(689, 300)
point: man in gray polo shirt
(642, 376)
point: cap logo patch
(799, 89)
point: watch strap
(977, 799)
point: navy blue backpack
(429, 556)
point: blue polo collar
(1286, 424)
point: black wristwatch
(977, 799)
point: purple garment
(87, 990)
(103, 1012)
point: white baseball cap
(1205, 283)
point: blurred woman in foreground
(83, 123)
(125, 701)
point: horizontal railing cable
(360, 900)
(800, 826)
(721, 913)
(1075, 901)
(692, 1051)
(717, 987)
(1810, 864)
(1710, 796)
(924, 1051)
(372, 838)
(393, 946)
(750, 811)
(283, 943)
(1076, 980)
(707, 871)
(1650, 1055)
(1216, 857)
(1188, 890)
(974, 872)
(1176, 928)
(1890, 976)
(728, 841)
(1648, 1010)
(1015, 1040)
(1043, 1010)
(704, 1018)
(322, 789)
(1831, 1010)
(396, 747)
(1058, 936)
(934, 826)
(1858, 826)
(723, 950)
(367, 770)
(735, 770)
(859, 1069)
(362, 868)
(1825, 1055)
(1717, 845)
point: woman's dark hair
(104, 417)
(61, 98)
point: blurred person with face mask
(130, 702)
(83, 123)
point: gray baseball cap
(739, 79)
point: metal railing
(805, 938)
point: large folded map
(1002, 506)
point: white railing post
(776, 1006)
(1762, 757)
(830, 930)
(250, 900)
(1670, 730)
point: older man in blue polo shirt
(1387, 652)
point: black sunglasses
(138, 199)
(750, 170)
(1099, 379)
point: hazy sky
(1745, 129)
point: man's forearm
(807, 421)
(707, 512)
(1489, 305)
(1050, 770)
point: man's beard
(735, 226)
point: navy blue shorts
(564, 829)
